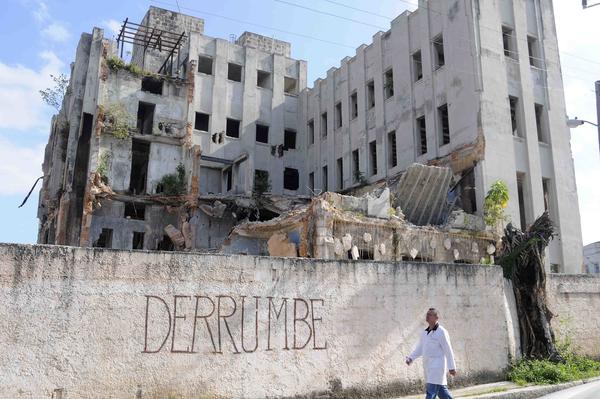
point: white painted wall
(75, 318)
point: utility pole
(598, 110)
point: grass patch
(541, 372)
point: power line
(330, 14)
(239, 21)
(358, 9)
(312, 37)
(424, 7)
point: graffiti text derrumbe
(223, 323)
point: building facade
(469, 85)
(472, 85)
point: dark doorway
(145, 118)
(140, 153)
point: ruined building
(197, 135)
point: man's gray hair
(434, 311)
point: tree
(522, 259)
(53, 96)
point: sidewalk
(507, 390)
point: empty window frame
(509, 42)
(370, 94)
(135, 211)
(310, 127)
(152, 85)
(262, 133)
(291, 179)
(338, 115)
(391, 147)
(521, 198)
(229, 179)
(353, 105)
(540, 123)
(439, 58)
(201, 121)
(513, 103)
(356, 175)
(534, 53)
(145, 118)
(340, 173)
(234, 72)
(105, 239)
(373, 157)
(261, 179)
(289, 139)
(205, 65)
(467, 194)
(165, 244)
(311, 181)
(417, 64)
(325, 179)
(422, 135)
(546, 184)
(263, 79)
(324, 124)
(290, 85)
(140, 153)
(444, 124)
(137, 241)
(388, 83)
(232, 128)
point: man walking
(438, 358)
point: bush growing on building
(115, 63)
(116, 120)
(262, 184)
(173, 183)
(102, 169)
(494, 204)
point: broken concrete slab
(215, 211)
(422, 192)
(379, 207)
(176, 236)
(279, 245)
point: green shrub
(116, 121)
(173, 183)
(539, 372)
(102, 169)
(115, 63)
(494, 203)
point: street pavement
(585, 391)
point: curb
(531, 391)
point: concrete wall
(575, 300)
(93, 322)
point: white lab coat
(437, 353)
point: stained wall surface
(112, 323)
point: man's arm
(448, 352)
(417, 352)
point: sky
(39, 38)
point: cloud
(21, 104)
(20, 167)
(56, 32)
(112, 25)
(40, 12)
